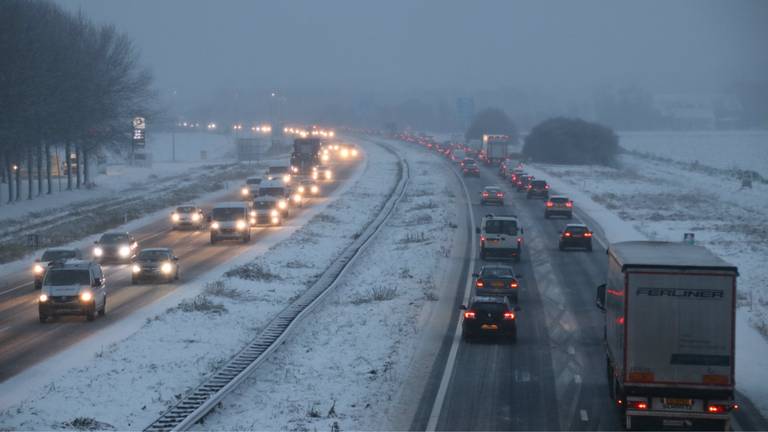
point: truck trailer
(669, 334)
(495, 148)
(305, 155)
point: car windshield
(559, 200)
(63, 277)
(153, 255)
(497, 226)
(278, 170)
(185, 209)
(253, 181)
(263, 204)
(497, 271)
(538, 183)
(114, 238)
(576, 230)
(228, 213)
(273, 191)
(53, 255)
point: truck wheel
(90, 316)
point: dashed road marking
(583, 415)
(577, 379)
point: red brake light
(513, 284)
(715, 409)
(569, 204)
(480, 283)
(469, 314)
(566, 234)
(482, 238)
(509, 315)
(499, 194)
(485, 194)
(638, 405)
(549, 204)
(588, 234)
(546, 187)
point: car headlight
(38, 269)
(136, 268)
(253, 213)
(240, 225)
(253, 221)
(314, 175)
(297, 198)
(124, 251)
(275, 220)
(328, 175)
(314, 189)
(354, 152)
(301, 189)
(215, 225)
(195, 217)
(274, 213)
(43, 298)
(86, 296)
(244, 191)
(325, 157)
(287, 178)
(175, 217)
(282, 204)
(295, 169)
(344, 153)
(166, 268)
(97, 251)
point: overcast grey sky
(402, 46)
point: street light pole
(173, 143)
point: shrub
(571, 141)
(491, 121)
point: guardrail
(199, 402)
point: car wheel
(560, 246)
(90, 316)
(589, 247)
(546, 215)
(246, 239)
(513, 336)
(176, 276)
(103, 310)
(513, 298)
(134, 281)
(517, 255)
(43, 318)
(213, 239)
(467, 336)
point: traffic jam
(692, 390)
(72, 281)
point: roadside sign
(139, 123)
(689, 238)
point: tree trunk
(9, 175)
(48, 167)
(30, 177)
(68, 163)
(39, 149)
(78, 165)
(86, 174)
(18, 177)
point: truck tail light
(482, 238)
(509, 315)
(480, 283)
(638, 405)
(716, 408)
(640, 376)
(569, 204)
(550, 204)
(469, 314)
(519, 240)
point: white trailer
(495, 148)
(670, 334)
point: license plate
(493, 240)
(489, 327)
(497, 284)
(678, 403)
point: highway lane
(24, 341)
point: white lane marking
(437, 406)
(577, 379)
(2, 329)
(16, 288)
(584, 416)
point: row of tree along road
(65, 83)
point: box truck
(669, 334)
(495, 148)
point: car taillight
(519, 240)
(550, 204)
(546, 187)
(589, 234)
(530, 186)
(480, 283)
(485, 194)
(499, 194)
(716, 409)
(482, 238)
(566, 234)
(569, 204)
(509, 315)
(469, 314)
(513, 284)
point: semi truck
(495, 148)
(669, 334)
(305, 155)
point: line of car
(72, 283)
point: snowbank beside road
(133, 380)
(654, 200)
(349, 360)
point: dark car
(497, 280)
(266, 211)
(155, 264)
(538, 189)
(513, 176)
(470, 168)
(491, 316)
(576, 236)
(492, 195)
(523, 181)
(558, 206)
(120, 247)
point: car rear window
(57, 255)
(501, 227)
(67, 277)
(559, 200)
(497, 271)
(495, 308)
(576, 230)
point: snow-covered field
(127, 384)
(661, 201)
(746, 150)
(348, 361)
(121, 178)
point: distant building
(699, 111)
(465, 108)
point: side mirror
(477, 230)
(600, 297)
(463, 307)
(97, 282)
